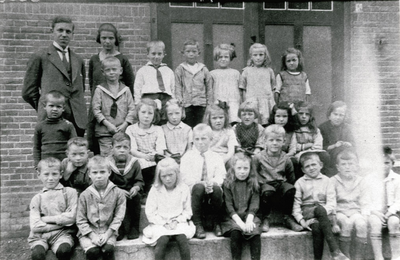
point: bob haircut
(153, 44)
(50, 162)
(174, 102)
(151, 103)
(211, 109)
(267, 61)
(274, 129)
(78, 141)
(120, 137)
(299, 55)
(108, 27)
(231, 177)
(335, 105)
(55, 94)
(191, 42)
(224, 47)
(98, 160)
(248, 106)
(167, 164)
(62, 19)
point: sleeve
(255, 163)
(219, 170)
(289, 170)
(138, 85)
(160, 143)
(272, 76)
(330, 198)
(260, 140)
(82, 220)
(228, 198)
(138, 179)
(127, 75)
(72, 131)
(172, 82)
(97, 105)
(129, 131)
(90, 75)
(364, 197)
(208, 82)
(232, 141)
(214, 84)
(278, 85)
(32, 81)
(186, 170)
(243, 80)
(332, 183)
(325, 137)
(254, 203)
(68, 217)
(308, 89)
(297, 213)
(130, 117)
(187, 206)
(190, 136)
(83, 72)
(35, 221)
(119, 212)
(178, 84)
(37, 144)
(317, 141)
(292, 145)
(151, 208)
(395, 207)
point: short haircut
(347, 155)
(110, 60)
(174, 102)
(62, 19)
(333, 106)
(167, 164)
(49, 162)
(274, 129)
(308, 156)
(55, 94)
(191, 42)
(108, 27)
(78, 141)
(213, 108)
(98, 160)
(151, 103)
(299, 55)
(120, 137)
(224, 47)
(153, 44)
(388, 152)
(249, 106)
(203, 128)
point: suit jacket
(46, 72)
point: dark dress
(242, 200)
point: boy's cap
(317, 152)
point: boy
(155, 80)
(193, 84)
(113, 105)
(52, 134)
(386, 214)
(74, 169)
(127, 175)
(101, 209)
(349, 198)
(276, 177)
(52, 212)
(313, 202)
(204, 172)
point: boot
(376, 242)
(344, 245)
(395, 246)
(359, 249)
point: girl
(292, 83)
(226, 80)
(178, 135)
(248, 132)
(336, 132)
(168, 209)
(147, 139)
(224, 139)
(281, 114)
(258, 80)
(242, 200)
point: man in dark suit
(58, 68)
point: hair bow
(246, 151)
(175, 156)
(223, 105)
(233, 52)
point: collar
(59, 48)
(58, 187)
(109, 187)
(172, 127)
(197, 152)
(356, 180)
(151, 64)
(392, 176)
(53, 120)
(294, 73)
(319, 176)
(122, 89)
(141, 131)
(128, 166)
(200, 66)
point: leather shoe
(217, 230)
(265, 225)
(200, 233)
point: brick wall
(25, 30)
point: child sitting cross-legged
(101, 209)
(204, 172)
(276, 177)
(168, 209)
(127, 175)
(52, 213)
(314, 201)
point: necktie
(65, 62)
(159, 79)
(204, 176)
(114, 108)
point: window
(216, 5)
(299, 5)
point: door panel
(317, 51)
(277, 39)
(224, 33)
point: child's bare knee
(375, 224)
(393, 225)
(361, 227)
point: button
(67, 83)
